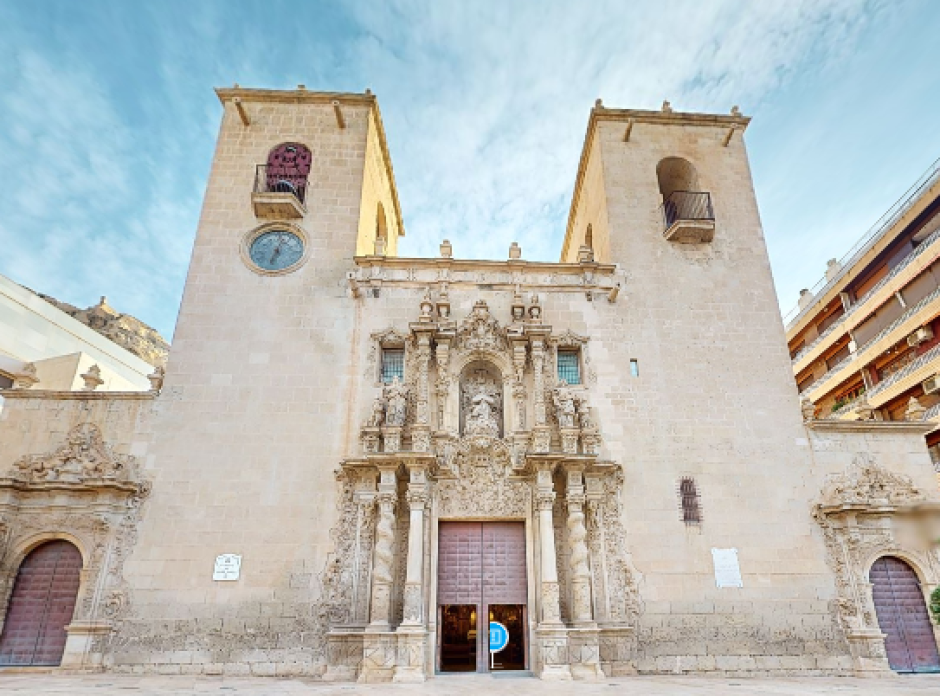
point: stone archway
(42, 605)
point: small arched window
(381, 225)
(589, 238)
(691, 504)
(287, 169)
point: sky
(108, 118)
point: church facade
(360, 466)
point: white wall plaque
(228, 566)
(727, 570)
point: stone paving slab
(462, 685)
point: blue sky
(108, 119)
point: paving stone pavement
(462, 685)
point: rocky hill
(127, 331)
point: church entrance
(902, 616)
(481, 578)
(41, 606)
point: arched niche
(676, 174)
(482, 406)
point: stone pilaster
(421, 430)
(391, 438)
(518, 383)
(442, 357)
(541, 435)
(551, 633)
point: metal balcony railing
(687, 205)
(280, 180)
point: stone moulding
(865, 513)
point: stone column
(383, 554)
(421, 430)
(412, 634)
(584, 638)
(551, 632)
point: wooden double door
(41, 606)
(902, 615)
(481, 578)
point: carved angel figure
(564, 405)
(396, 403)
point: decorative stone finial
(915, 411)
(535, 310)
(832, 268)
(301, 86)
(92, 378)
(427, 307)
(807, 408)
(667, 107)
(735, 111)
(805, 298)
(368, 91)
(447, 249)
(156, 379)
(515, 251)
(26, 377)
(598, 102)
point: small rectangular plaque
(228, 567)
(727, 570)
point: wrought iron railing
(907, 261)
(280, 180)
(687, 205)
(884, 223)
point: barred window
(690, 500)
(569, 367)
(393, 364)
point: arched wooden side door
(902, 616)
(41, 606)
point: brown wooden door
(481, 564)
(41, 606)
(902, 616)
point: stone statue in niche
(482, 405)
(584, 414)
(565, 409)
(396, 403)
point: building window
(634, 368)
(569, 367)
(393, 364)
(6, 382)
(690, 501)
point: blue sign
(499, 636)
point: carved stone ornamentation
(482, 487)
(396, 400)
(482, 405)
(480, 330)
(27, 377)
(85, 455)
(565, 410)
(92, 378)
(866, 483)
(156, 379)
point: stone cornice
(77, 395)
(663, 118)
(899, 427)
(88, 486)
(863, 509)
(304, 96)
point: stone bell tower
(707, 406)
(255, 404)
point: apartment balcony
(915, 317)
(688, 217)
(278, 195)
(901, 275)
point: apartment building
(865, 340)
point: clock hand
(277, 251)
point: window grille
(393, 365)
(569, 368)
(691, 503)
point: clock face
(276, 250)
